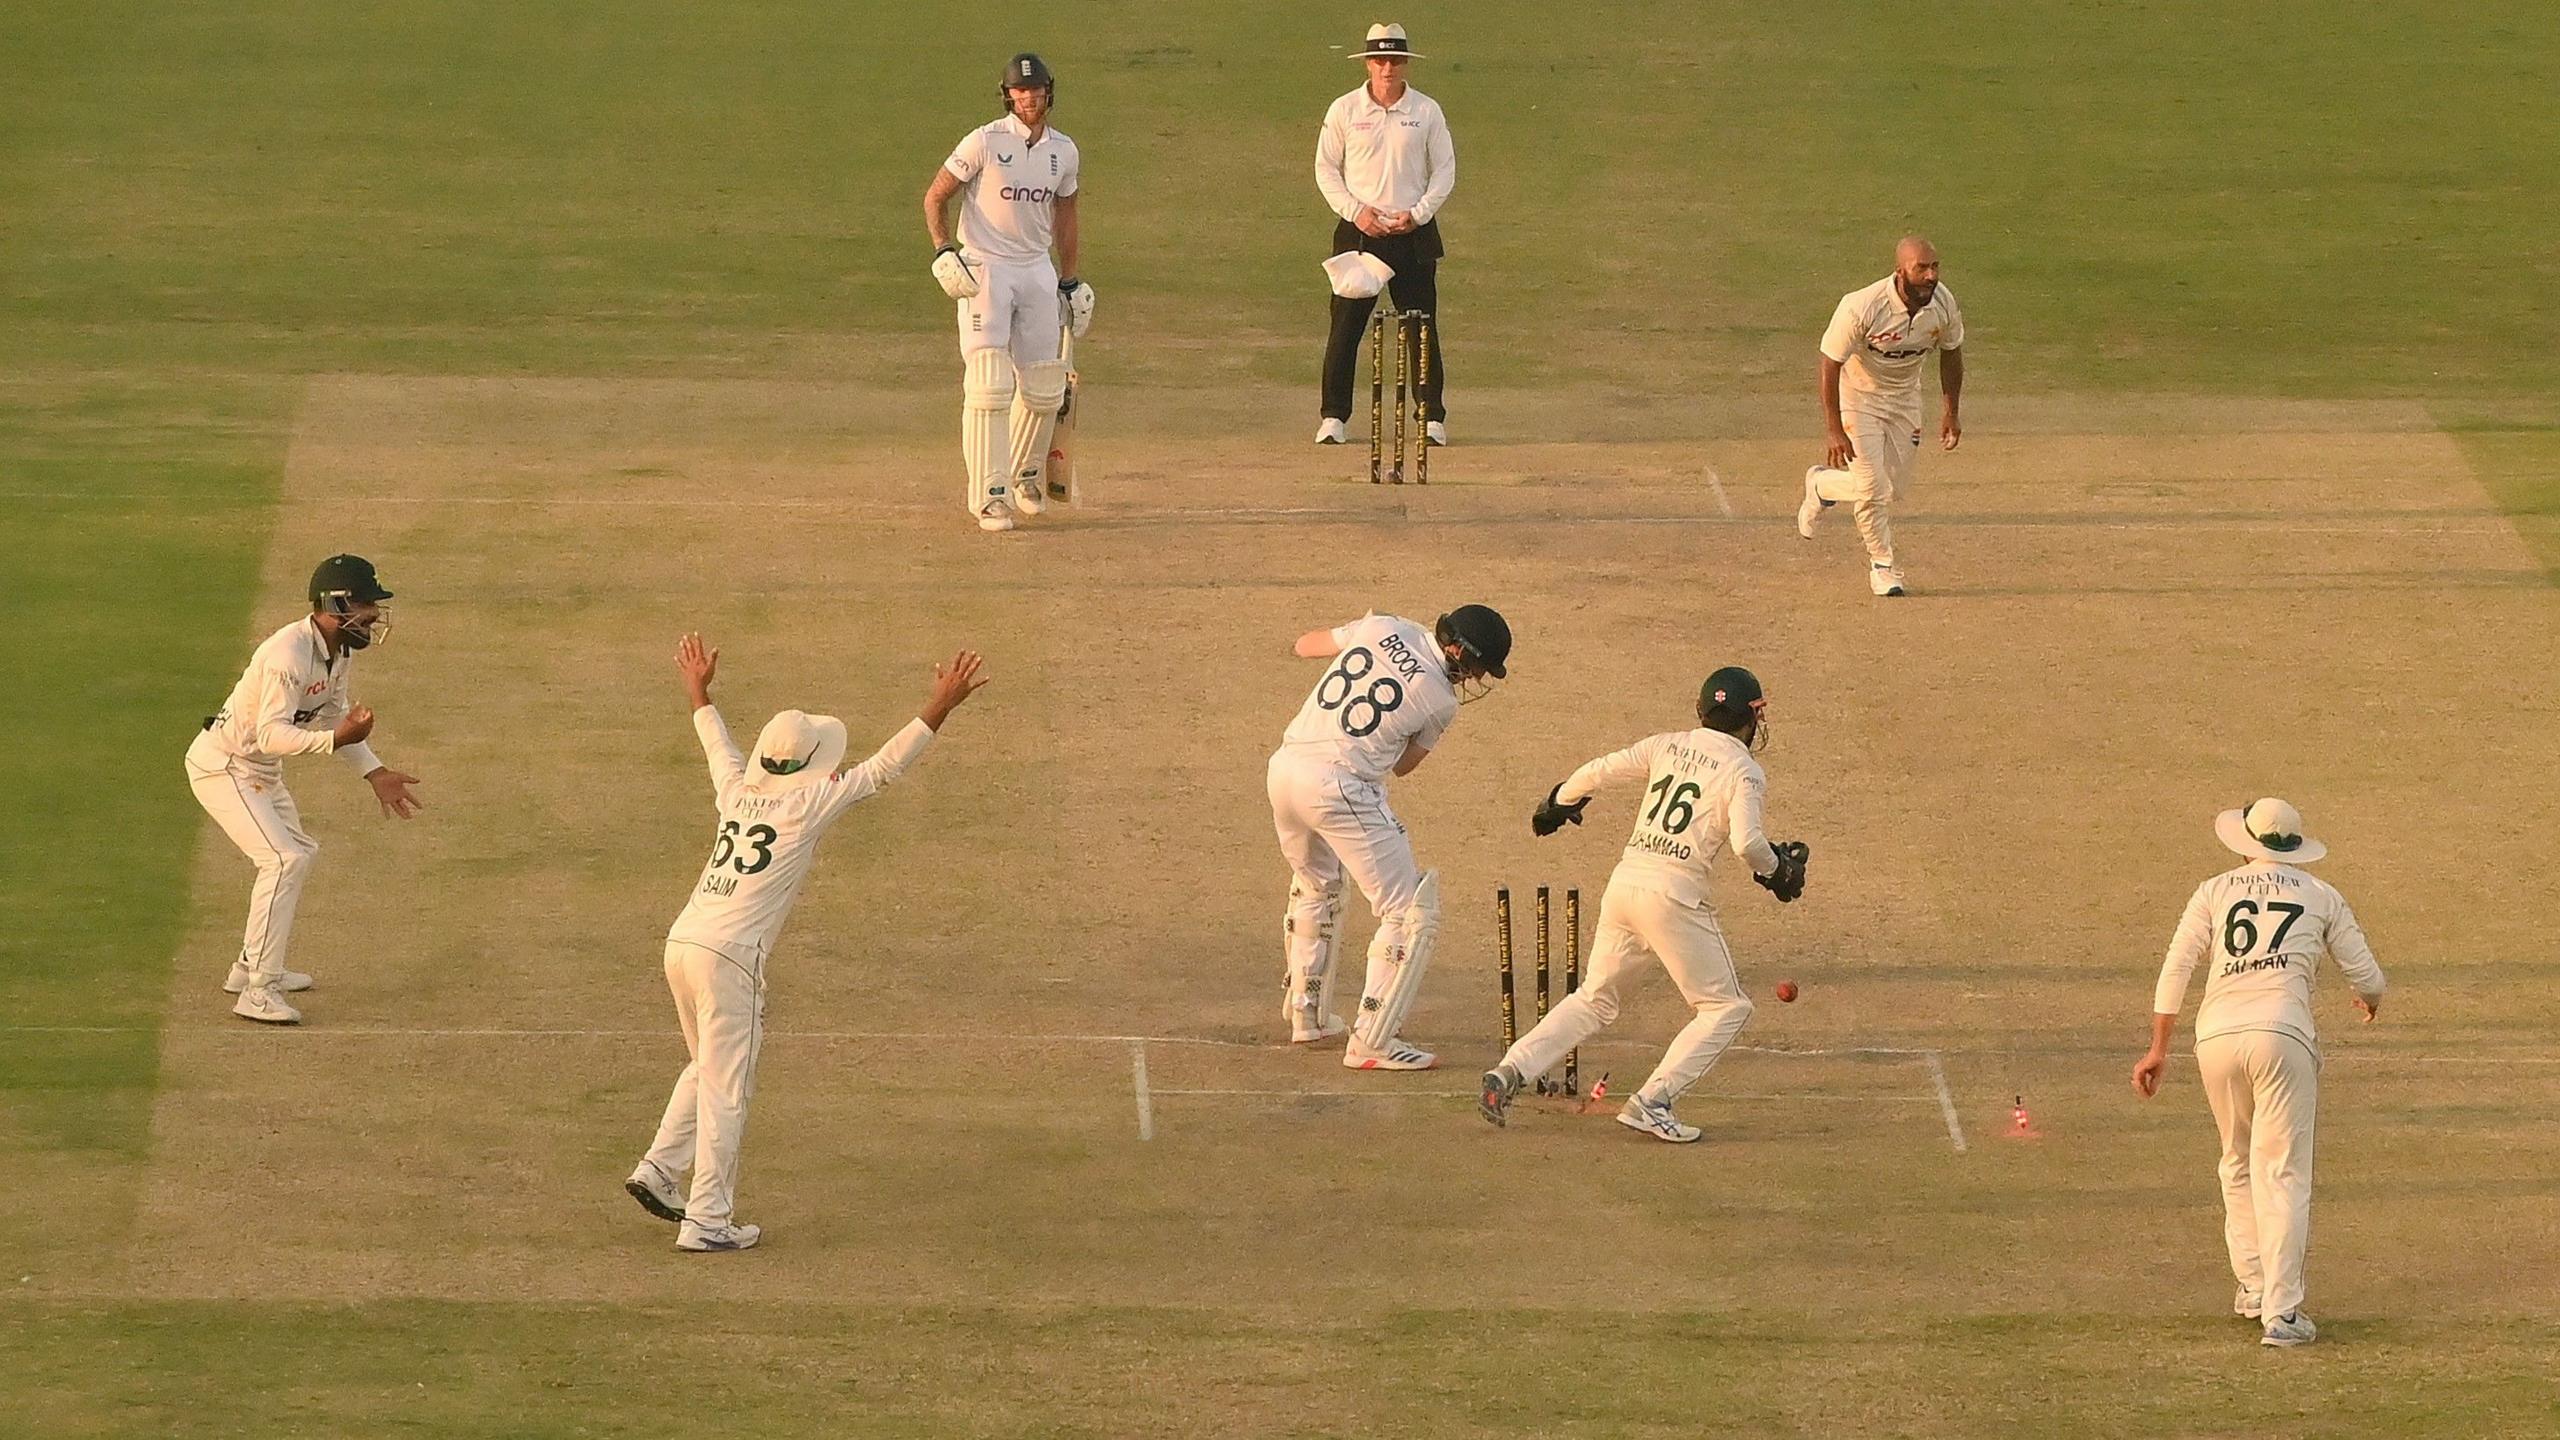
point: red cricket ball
(1786, 992)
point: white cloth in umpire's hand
(1077, 296)
(1357, 275)
(958, 278)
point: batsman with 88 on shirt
(1392, 691)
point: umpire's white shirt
(1010, 187)
(1881, 344)
(1386, 157)
(2264, 928)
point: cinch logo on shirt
(1036, 194)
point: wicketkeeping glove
(1787, 881)
(1552, 816)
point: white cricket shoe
(241, 975)
(1500, 1084)
(705, 1239)
(1028, 498)
(656, 1193)
(1332, 432)
(1885, 580)
(2290, 1329)
(1399, 1055)
(2245, 1303)
(1813, 506)
(1656, 1121)
(996, 514)
(263, 1004)
(1436, 432)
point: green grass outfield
(204, 206)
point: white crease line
(1722, 503)
(1946, 1100)
(1470, 1095)
(1138, 1079)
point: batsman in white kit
(1872, 354)
(292, 700)
(1706, 792)
(1390, 694)
(2263, 928)
(1018, 180)
(772, 815)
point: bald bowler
(1873, 354)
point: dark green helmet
(1732, 701)
(341, 584)
(1025, 71)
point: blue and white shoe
(656, 1193)
(2290, 1329)
(1500, 1084)
(1656, 1121)
(704, 1239)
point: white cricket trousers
(2264, 1087)
(254, 809)
(1640, 926)
(1884, 453)
(720, 1005)
(1016, 310)
(1331, 823)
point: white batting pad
(1035, 413)
(986, 392)
(1397, 960)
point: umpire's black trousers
(1415, 258)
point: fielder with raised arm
(1391, 693)
(771, 819)
(2263, 927)
(1705, 793)
(292, 700)
(1018, 180)
(1872, 354)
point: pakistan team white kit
(767, 840)
(2260, 931)
(1704, 791)
(1013, 381)
(288, 702)
(1388, 688)
(1882, 346)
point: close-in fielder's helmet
(1025, 71)
(340, 584)
(1483, 638)
(1731, 701)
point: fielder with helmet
(1391, 692)
(1706, 793)
(1020, 179)
(292, 700)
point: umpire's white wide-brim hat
(1357, 275)
(1387, 42)
(2268, 829)
(795, 748)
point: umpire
(1386, 165)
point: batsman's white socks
(1042, 389)
(986, 394)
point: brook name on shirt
(1401, 656)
